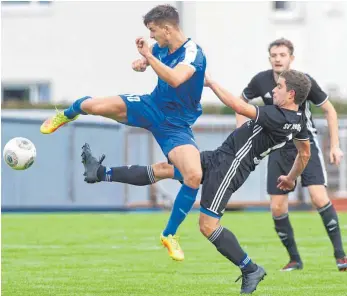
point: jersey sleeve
(252, 90)
(194, 57)
(269, 117)
(303, 134)
(316, 95)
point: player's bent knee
(207, 226)
(279, 205)
(193, 178)
(319, 195)
(163, 170)
(278, 209)
(320, 201)
(206, 229)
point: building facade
(59, 51)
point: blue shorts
(141, 112)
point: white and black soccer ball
(19, 153)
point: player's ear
(292, 94)
(167, 28)
(292, 58)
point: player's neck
(292, 107)
(276, 76)
(177, 41)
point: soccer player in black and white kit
(279, 163)
(227, 168)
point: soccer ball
(19, 153)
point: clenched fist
(142, 46)
(139, 65)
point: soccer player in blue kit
(168, 112)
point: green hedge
(341, 107)
(27, 105)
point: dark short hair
(161, 14)
(282, 42)
(299, 82)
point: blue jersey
(181, 106)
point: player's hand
(285, 183)
(139, 65)
(142, 46)
(207, 80)
(336, 155)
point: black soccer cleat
(91, 164)
(342, 264)
(293, 265)
(250, 281)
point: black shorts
(281, 161)
(222, 176)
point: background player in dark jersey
(227, 168)
(279, 163)
(168, 112)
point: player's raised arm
(235, 103)
(174, 77)
(301, 160)
(240, 119)
(249, 93)
(140, 65)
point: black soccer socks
(226, 243)
(331, 223)
(286, 234)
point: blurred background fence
(55, 181)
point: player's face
(280, 58)
(159, 34)
(281, 96)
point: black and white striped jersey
(271, 130)
(262, 84)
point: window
(20, 94)
(26, 92)
(280, 5)
(291, 11)
(16, 3)
(15, 8)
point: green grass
(119, 254)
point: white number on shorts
(133, 98)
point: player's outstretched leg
(284, 230)
(227, 244)
(91, 164)
(137, 175)
(111, 107)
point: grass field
(119, 254)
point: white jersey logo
(268, 95)
(256, 160)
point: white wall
(235, 35)
(86, 48)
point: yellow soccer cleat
(171, 243)
(53, 123)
